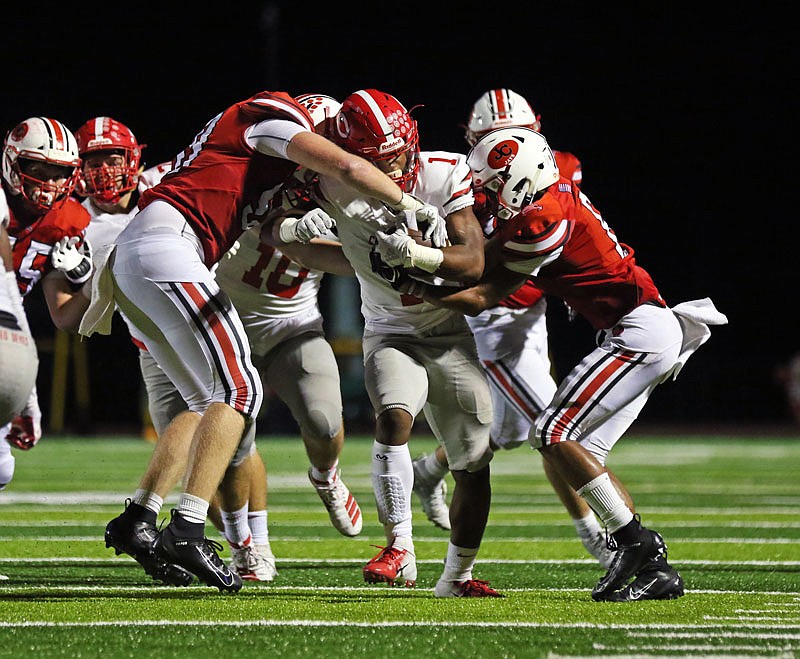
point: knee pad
(322, 422)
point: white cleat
(341, 505)
(432, 495)
(254, 562)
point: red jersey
(527, 295)
(569, 166)
(32, 239)
(593, 272)
(219, 183)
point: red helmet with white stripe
(111, 157)
(500, 108)
(376, 126)
(43, 141)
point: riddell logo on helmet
(502, 154)
(391, 145)
(98, 141)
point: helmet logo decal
(20, 131)
(502, 154)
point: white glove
(395, 248)
(400, 249)
(232, 251)
(425, 215)
(313, 224)
(26, 428)
(437, 226)
(74, 262)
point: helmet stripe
(501, 105)
(376, 111)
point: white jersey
(444, 182)
(105, 227)
(263, 283)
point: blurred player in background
(512, 344)
(416, 357)
(45, 229)
(550, 231)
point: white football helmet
(511, 165)
(322, 109)
(499, 108)
(43, 140)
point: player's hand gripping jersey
(444, 182)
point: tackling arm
(487, 293)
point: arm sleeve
(272, 136)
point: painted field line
(255, 588)
(440, 539)
(392, 623)
(55, 523)
(73, 560)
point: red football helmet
(376, 126)
(40, 140)
(106, 181)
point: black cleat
(652, 583)
(628, 561)
(136, 538)
(199, 556)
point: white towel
(695, 316)
(99, 315)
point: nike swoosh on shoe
(637, 594)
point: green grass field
(729, 509)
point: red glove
(25, 432)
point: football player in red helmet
(412, 353)
(110, 160)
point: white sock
(324, 475)
(192, 508)
(149, 500)
(257, 520)
(459, 563)
(603, 498)
(435, 468)
(587, 527)
(237, 529)
(392, 483)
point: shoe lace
(389, 555)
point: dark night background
(681, 118)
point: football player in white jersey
(416, 357)
(512, 344)
(19, 361)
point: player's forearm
(320, 254)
